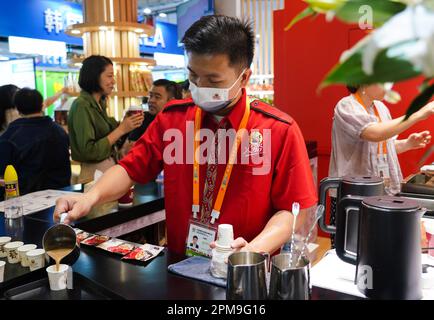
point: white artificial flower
(415, 26)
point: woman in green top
(93, 134)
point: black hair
(91, 71)
(353, 88)
(185, 85)
(7, 93)
(195, 237)
(218, 34)
(28, 101)
(172, 88)
(145, 100)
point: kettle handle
(324, 185)
(345, 204)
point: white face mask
(213, 99)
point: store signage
(57, 21)
(48, 19)
(157, 39)
(165, 40)
(40, 19)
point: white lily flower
(414, 25)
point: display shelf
(77, 30)
(120, 94)
(128, 61)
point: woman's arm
(381, 131)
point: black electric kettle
(388, 257)
(349, 185)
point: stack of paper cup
(225, 235)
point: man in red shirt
(250, 182)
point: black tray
(417, 184)
(84, 289)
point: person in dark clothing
(186, 93)
(162, 91)
(36, 146)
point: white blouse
(351, 155)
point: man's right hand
(76, 206)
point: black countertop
(128, 280)
(148, 198)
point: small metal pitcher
(288, 282)
(62, 236)
(246, 276)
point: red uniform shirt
(250, 200)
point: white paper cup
(57, 279)
(2, 271)
(22, 251)
(3, 241)
(225, 235)
(12, 251)
(36, 259)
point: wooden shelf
(126, 94)
(129, 61)
(138, 28)
(120, 94)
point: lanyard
(384, 143)
(227, 175)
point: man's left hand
(239, 244)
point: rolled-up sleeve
(145, 160)
(352, 119)
(293, 180)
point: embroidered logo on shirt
(255, 144)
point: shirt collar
(89, 97)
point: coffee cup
(3, 241)
(22, 251)
(36, 259)
(133, 110)
(58, 278)
(12, 251)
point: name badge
(199, 238)
(383, 169)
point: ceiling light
(162, 15)
(139, 30)
(75, 31)
(103, 28)
(147, 11)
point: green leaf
(322, 6)
(425, 84)
(386, 69)
(382, 10)
(302, 15)
(421, 100)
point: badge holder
(200, 236)
(383, 169)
